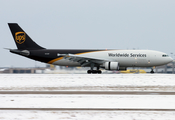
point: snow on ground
(143, 82)
(125, 82)
(86, 115)
(88, 101)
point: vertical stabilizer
(22, 40)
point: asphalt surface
(91, 92)
(89, 109)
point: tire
(99, 71)
(94, 71)
(89, 71)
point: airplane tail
(22, 40)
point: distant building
(169, 68)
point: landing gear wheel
(94, 71)
(99, 71)
(152, 71)
(89, 71)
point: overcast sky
(88, 24)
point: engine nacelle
(111, 65)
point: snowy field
(136, 82)
(85, 82)
(86, 115)
(88, 101)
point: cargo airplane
(107, 59)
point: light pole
(172, 63)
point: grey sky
(88, 24)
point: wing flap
(83, 60)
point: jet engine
(111, 65)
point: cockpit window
(164, 55)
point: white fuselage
(126, 58)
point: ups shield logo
(20, 37)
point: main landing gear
(94, 71)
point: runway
(84, 96)
(91, 92)
(87, 109)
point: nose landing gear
(152, 70)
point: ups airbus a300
(106, 59)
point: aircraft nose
(170, 59)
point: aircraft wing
(84, 61)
